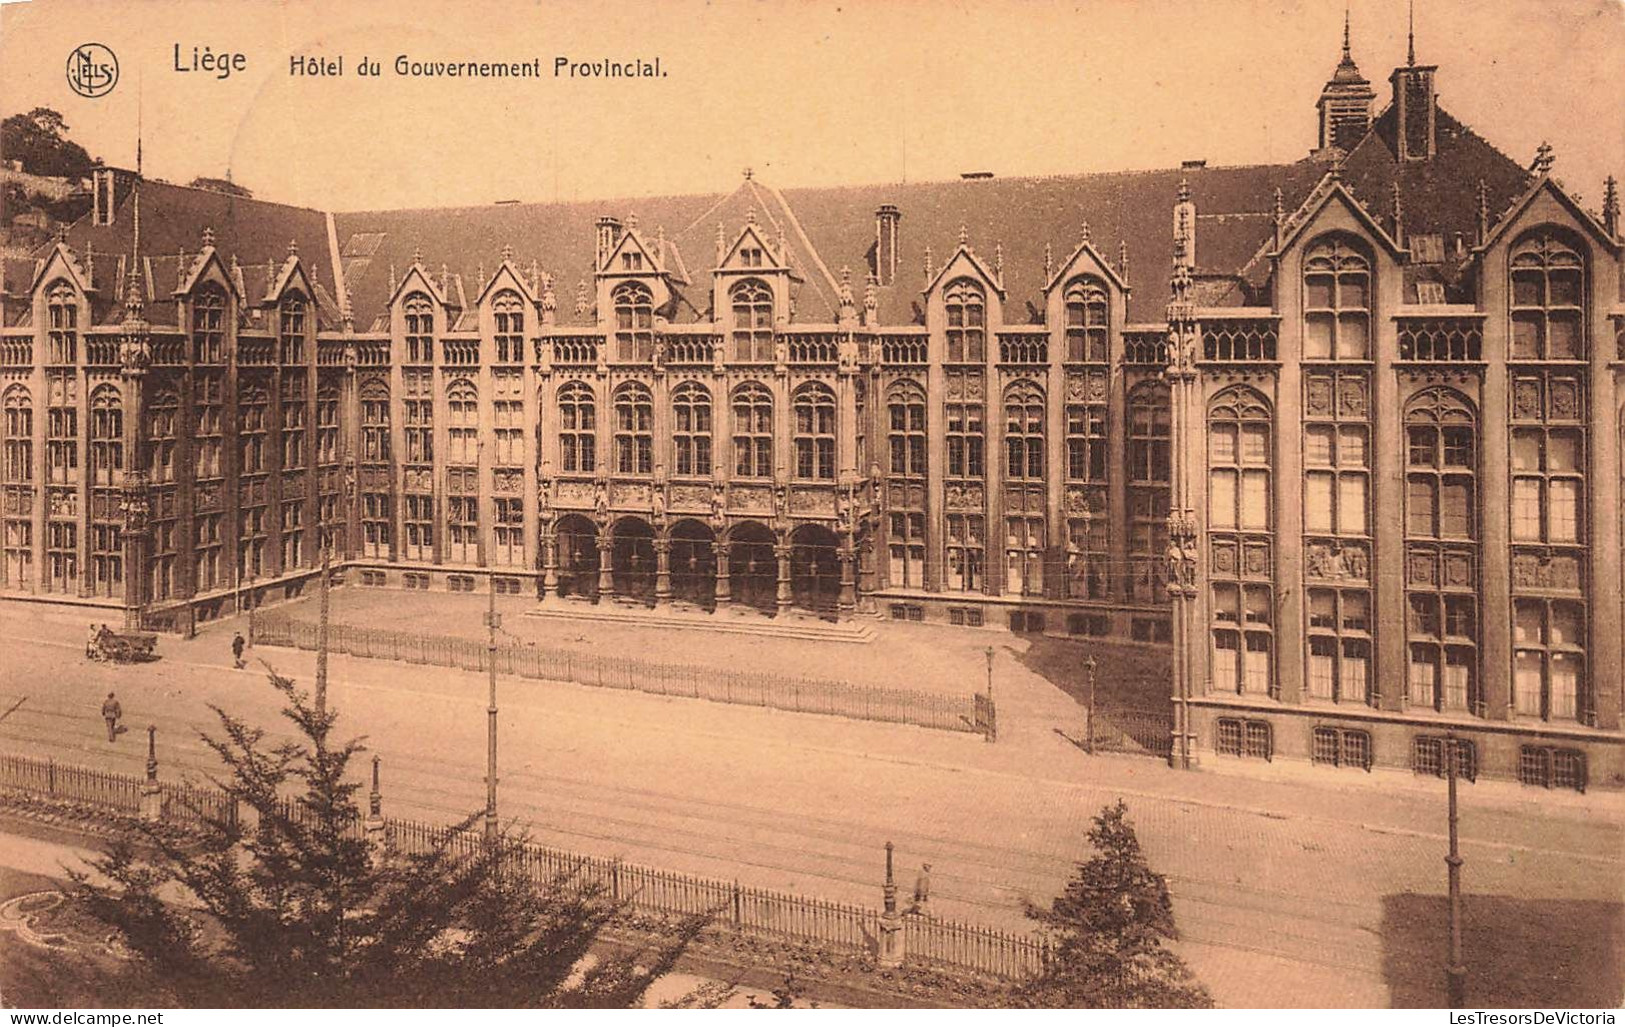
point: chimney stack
(609, 233)
(887, 220)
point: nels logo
(92, 70)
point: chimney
(1345, 103)
(108, 187)
(609, 233)
(1414, 128)
(887, 219)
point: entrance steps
(686, 616)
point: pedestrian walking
(922, 891)
(112, 712)
(237, 644)
(93, 645)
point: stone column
(782, 552)
(892, 947)
(662, 569)
(848, 602)
(550, 561)
(606, 563)
(723, 588)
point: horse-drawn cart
(111, 646)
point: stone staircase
(686, 616)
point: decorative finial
(445, 278)
(1610, 205)
(62, 232)
(417, 256)
(749, 174)
(391, 273)
(784, 249)
(1346, 56)
(964, 235)
(482, 274)
(1049, 263)
(1086, 230)
(293, 248)
(535, 276)
(632, 222)
(1483, 212)
(581, 297)
(208, 237)
(847, 300)
(871, 298)
(1337, 165)
(930, 270)
(1410, 38)
(507, 253)
(1278, 216)
(1544, 158)
(722, 244)
(998, 258)
(1399, 214)
(750, 216)
(1122, 258)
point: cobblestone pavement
(1306, 887)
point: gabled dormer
(633, 265)
(506, 308)
(751, 289)
(418, 315)
(205, 269)
(964, 304)
(1084, 303)
(63, 262)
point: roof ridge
(230, 196)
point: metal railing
(782, 692)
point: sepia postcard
(991, 504)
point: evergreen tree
(1107, 931)
(290, 906)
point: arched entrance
(578, 556)
(633, 559)
(815, 570)
(693, 563)
(752, 566)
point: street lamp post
(1089, 723)
(492, 621)
(1456, 973)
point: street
(1302, 888)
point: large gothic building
(1343, 434)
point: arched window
(1441, 473)
(163, 424)
(691, 430)
(16, 476)
(294, 420)
(508, 313)
(62, 313)
(753, 321)
(208, 439)
(1150, 474)
(209, 324)
(1239, 430)
(966, 307)
(1087, 323)
(253, 406)
(327, 424)
(634, 430)
(578, 429)
(815, 433)
(634, 322)
(753, 431)
(1024, 433)
(462, 423)
(1548, 298)
(291, 324)
(419, 317)
(905, 405)
(1336, 301)
(106, 436)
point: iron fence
(747, 688)
(1137, 731)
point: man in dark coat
(237, 650)
(111, 712)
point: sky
(804, 92)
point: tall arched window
(1239, 428)
(462, 423)
(62, 313)
(1024, 433)
(163, 424)
(691, 430)
(634, 430)
(508, 315)
(1150, 474)
(291, 323)
(1336, 301)
(209, 324)
(1548, 298)
(16, 477)
(634, 322)
(753, 431)
(294, 420)
(1441, 551)
(106, 436)
(905, 406)
(578, 429)
(966, 307)
(1087, 320)
(753, 321)
(815, 433)
(418, 314)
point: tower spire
(1346, 54)
(1410, 36)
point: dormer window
(419, 318)
(753, 322)
(292, 324)
(967, 322)
(1337, 302)
(751, 256)
(631, 262)
(62, 311)
(1086, 323)
(507, 312)
(634, 322)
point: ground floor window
(1552, 768)
(1548, 661)
(375, 525)
(1253, 739)
(1024, 556)
(1243, 643)
(965, 552)
(1428, 756)
(62, 555)
(418, 525)
(19, 557)
(1340, 644)
(906, 549)
(1341, 747)
(509, 533)
(462, 529)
